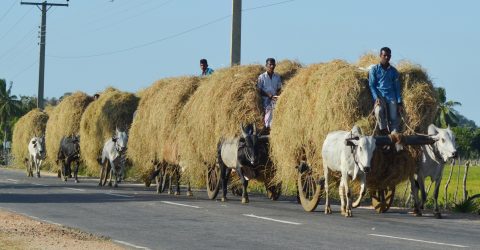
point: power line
(23, 70)
(134, 16)
(17, 44)
(167, 37)
(19, 20)
(9, 9)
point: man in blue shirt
(204, 67)
(269, 85)
(385, 87)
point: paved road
(135, 216)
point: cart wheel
(308, 190)
(213, 181)
(274, 191)
(382, 199)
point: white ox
(350, 153)
(113, 158)
(36, 152)
(432, 161)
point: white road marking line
(120, 195)
(76, 189)
(12, 180)
(271, 219)
(38, 184)
(423, 241)
(130, 244)
(180, 204)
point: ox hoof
(348, 214)
(189, 193)
(437, 215)
(176, 193)
(224, 199)
(328, 210)
(115, 185)
(38, 175)
(417, 213)
(245, 200)
(109, 184)
(76, 181)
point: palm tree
(10, 106)
(446, 114)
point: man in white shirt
(269, 85)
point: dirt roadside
(20, 232)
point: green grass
(473, 186)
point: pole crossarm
(48, 4)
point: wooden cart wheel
(382, 199)
(274, 191)
(309, 190)
(213, 181)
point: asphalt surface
(136, 217)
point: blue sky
(129, 44)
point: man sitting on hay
(385, 87)
(269, 85)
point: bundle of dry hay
(31, 124)
(220, 104)
(64, 121)
(113, 109)
(335, 96)
(153, 131)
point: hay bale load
(335, 96)
(153, 132)
(112, 109)
(221, 103)
(31, 124)
(64, 121)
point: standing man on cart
(269, 85)
(385, 86)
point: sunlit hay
(335, 96)
(113, 109)
(419, 97)
(153, 131)
(287, 69)
(367, 60)
(221, 103)
(64, 121)
(31, 124)
(319, 99)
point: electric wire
(167, 37)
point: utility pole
(43, 33)
(236, 33)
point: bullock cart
(263, 172)
(311, 185)
(333, 96)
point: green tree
(464, 137)
(446, 114)
(10, 107)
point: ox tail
(357, 202)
